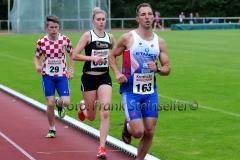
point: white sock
(57, 101)
(128, 126)
(52, 128)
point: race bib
(103, 53)
(143, 83)
(54, 66)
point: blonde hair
(97, 10)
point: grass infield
(199, 101)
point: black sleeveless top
(99, 46)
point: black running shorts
(92, 82)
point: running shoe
(61, 110)
(126, 136)
(101, 153)
(81, 115)
(51, 134)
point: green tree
(172, 8)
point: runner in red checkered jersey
(96, 81)
(55, 75)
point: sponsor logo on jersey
(101, 45)
(145, 54)
(146, 49)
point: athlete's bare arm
(112, 40)
(165, 69)
(84, 40)
(36, 61)
(71, 66)
(123, 44)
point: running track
(22, 136)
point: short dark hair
(142, 5)
(52, 18)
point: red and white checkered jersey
(54, 62)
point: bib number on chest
(103, 53)
(143, 83)
(54, 66)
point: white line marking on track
(202, 106)
(17, 146)
(16, 58)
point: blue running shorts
(50, 83)
(138, 106)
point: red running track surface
(22, 136)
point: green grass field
(205, 69)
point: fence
(128, 23)
(166, 22)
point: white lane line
(16, 58)
(202, 106)
(17, 146)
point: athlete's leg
(50, 110)
(134, 124)
(64, 101)
(51, 119)
(149, 109)
(63, 91)
(104, 95)
(136, 128)
(146, 141)
(49, 89)
(89, 107)
(154, 26)
(159, 25)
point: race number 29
(54, 69)
(54, 66)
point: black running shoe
(51, 134)
(61, 110)
(126, 136)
